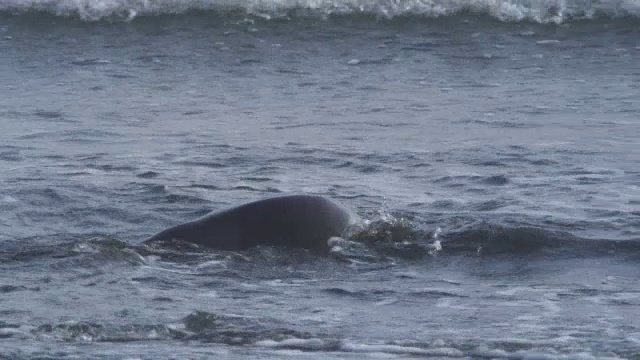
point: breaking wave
(543, 11)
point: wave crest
(543, 11)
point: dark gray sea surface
(490, 150)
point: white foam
(11, 332)
(546, 11)
(212, 263)
(308, 344)
(335, 241)
(435, 246)
(399, 349)
(85, 248)
(547, 42)
(439, 348)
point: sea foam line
(544, 11)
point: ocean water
(489, 148)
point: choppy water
(511, 126)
